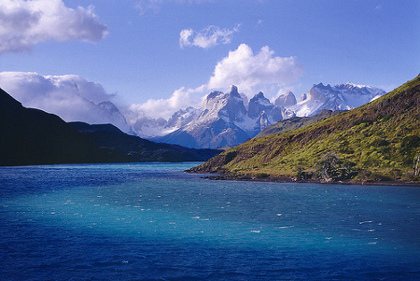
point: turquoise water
(154, 222)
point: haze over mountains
(33, 137)
(225, 119)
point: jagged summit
(258, 104)
(338, 97)
(214, 94)
(234, 92)
(379, 141)
(225, 120)
(285, 100)
(352, 85)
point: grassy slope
(295, 123)
(377, 141)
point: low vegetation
(379, 141)
(296, 123)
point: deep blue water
(154, 222)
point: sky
(154, 57)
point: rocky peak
(235, 107)
(230, 106)
(318, 92)
(233, 93)
(260, 95)
(258, 104)
(285, 100)
(109, 106)
(182, 117)
(213, 100)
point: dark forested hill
(110, 140)
(33, 137)
(30, 136)
(379, 141)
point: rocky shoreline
(268, 178)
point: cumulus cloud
(71, 97)
(164, 108)
(27, 23)
(208, 37)
(247, 70)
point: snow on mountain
(215, 125)
(225, 120)
(258, 104)
(113, 115)
(287, 99)
(182, 117)
(338, 97)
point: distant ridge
(34, 137)
(296, 123)
(377, 142)
(31, 136)
(128, 148)
(227, 119)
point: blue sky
(134, 48)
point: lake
(152, 221)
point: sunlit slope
(377, 141)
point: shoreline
(294, 180)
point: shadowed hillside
(34, 137)
(376, 142)
(30, 136)
(127, 148)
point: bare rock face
(339, 97)
(227, 119)
(286, 100)
(258, 104)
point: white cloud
(71, 97)
(27, 23)
(247, 70)
(208, 37)
(184, 37)
(148, 5)
(165, 108)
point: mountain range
(227, 119)
(33, 137)
(379, 141)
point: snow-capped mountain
(224, 120)
(339, 97)
(216, 125)
(111, 114)
(286, 100)
(150, 128)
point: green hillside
(379, 141)
(296, 123)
